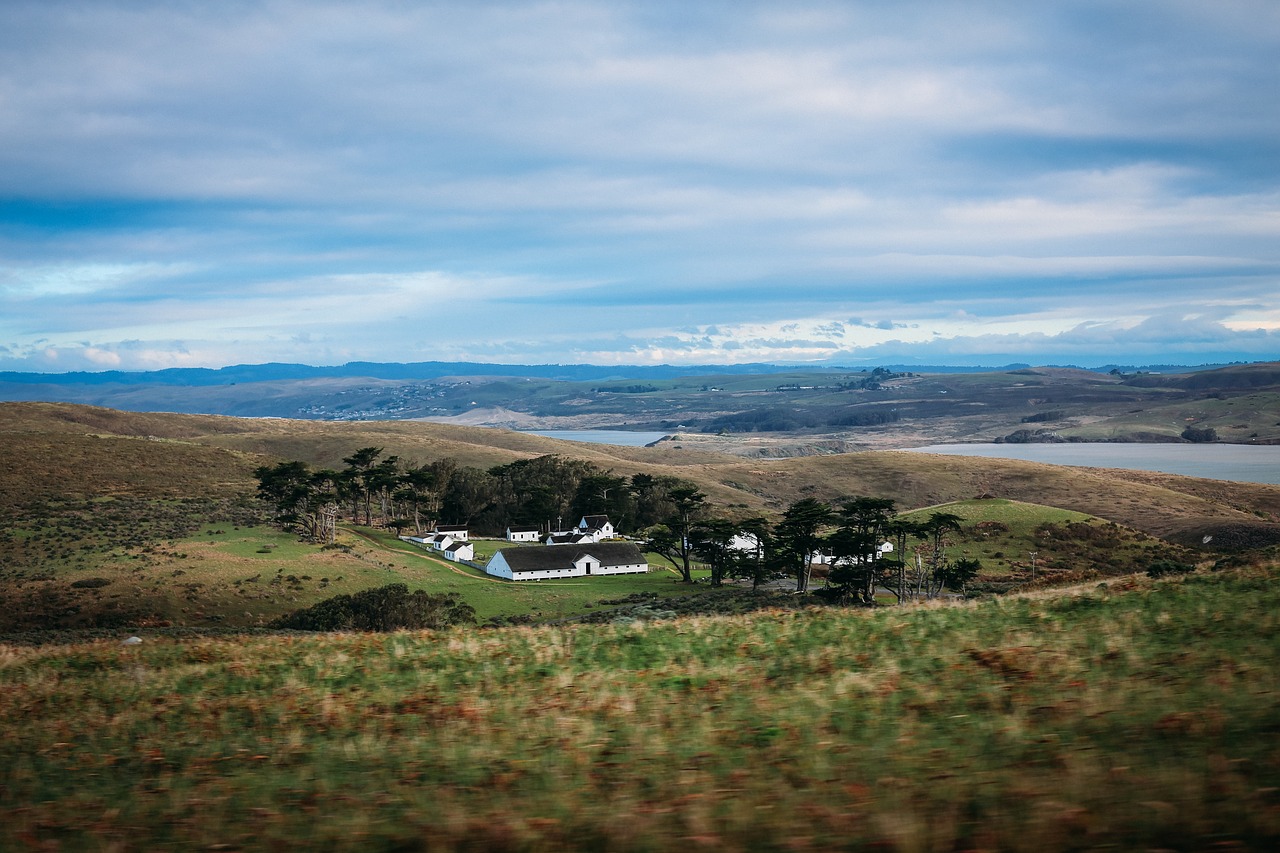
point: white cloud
(272, 183)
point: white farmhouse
(440, 541)
(567, 561)
(522, 534)
(457, 531)
(597, 527)
(460, 551)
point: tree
(604, 494)
(303, 500)
(759, 563)
(534, 491)
(471, 490)
(672, 538)
(899, 530)
(1200, 435)
(855, 547)
(359, 472)
(798, 536)
(936, 526)
(957, 573)
(383, 481)
(712, 542)
(419, 488)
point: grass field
(1133, 714)
(224, 576)
(1003, 534)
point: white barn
(568, 561)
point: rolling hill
(156, 513)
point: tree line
(671, 516)
(547, 492)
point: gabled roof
(458, 546)
(451, 528)
(523, 529)
(567, 538)
(564, 556)
(595, 522)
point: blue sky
(191, 184)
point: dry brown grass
(49, 446)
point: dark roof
(450, 528)
(596, 521)
(564, 556)
(567, 538)
(529, 529)
(458, 546)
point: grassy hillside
(121, 519)
(1129, 715)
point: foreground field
(1130, 714)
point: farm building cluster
(582, 551)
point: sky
(188, 184)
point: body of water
(602, 436)
(1239, 462)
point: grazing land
(1129, 714)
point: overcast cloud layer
(191, 184)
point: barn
(567, 561)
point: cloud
(576, 180)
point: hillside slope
(48, 448)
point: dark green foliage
(627, 389)
(1161, 568)
(798, 536)
(91, 583)
(1200, 435)
(1026, 436)
(1042, 417)
(957, 574)
(387, 608)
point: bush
(1200, 435)
(1161, 568)
(90, 583)
(386, 608)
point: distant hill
(785, 410)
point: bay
(1241, 463)
(621, 437)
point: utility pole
(1033, 564)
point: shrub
(90, 583)
(1161, 568)
(1200, 435)
(386, 608)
